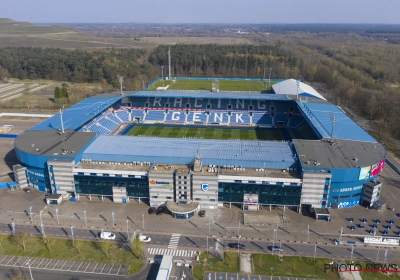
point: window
(180, 188)
(154, 196)
(184, 177)
(81, 173)
(185, 182)
(272, 108)
(252, 182)
(185, 188)
(179, 177)
(198, 199)
(106, 175)
(213, 200)
(168, 197)
(179, 182)
(238, 181)
(93, 174)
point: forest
(356, 71)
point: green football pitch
(224, 85)
(206, 133)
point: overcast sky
(203, 11)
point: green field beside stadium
(206, 133)
(224, 85)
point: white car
(144, 238)
(107, 235)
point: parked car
(152, 210)
(276, 249)
(160, 211)
(202, 213)
(236, 246)
(107, 235)
(144, 238)
(26, 190)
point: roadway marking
(48, 264)
(39, 263)
(103, 268)
(71, 266)
(17, 261)
(10, 260)
(63, 265)
(79, 266)
(95, 267)
(87, 266)
(3, 259)
(111, 268)
(118, 269)
(173, 243)
(55, 265)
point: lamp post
(143, 221)
(351, 255)
(269, 80)
(127, 229)
(341, 232)
(113, 217)
(308, 232)
(239, 236)
(377, 255)
(315, 250)
(162, 75)
(40, 216)
(84, 215)
(57, 213)
(72, 233)
(29, 266)
(13, 227)
(30, 211)
(143, 83)
(43, 233)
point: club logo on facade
(204, 187)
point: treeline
(226, 61)
(74, 66)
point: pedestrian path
(63, 265)
(173, 243)
(171, 252)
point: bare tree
(78, 245)
(48, 242)
(137, 247)
(21, 238)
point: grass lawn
(224, 85)
(292, 267)
(230, 264)
(206, 133)
(64, 249)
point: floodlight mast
(61, 118)
(169, 64)
(121, 80)
(333, 120)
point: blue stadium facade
(311, 168)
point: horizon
(206, 11)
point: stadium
(190, 150)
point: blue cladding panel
(78, 114)
(344, 127)
(183, 151)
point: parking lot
(63, 265)
(235, 276)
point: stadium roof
(255, 154)
(52, 143)
(208, 94)
(78, 114)
(289, 87)
(343, 154)
(319, 114)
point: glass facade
(267, 194)
(138, 187)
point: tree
(137, 247)
(78, 245)
(56, 93)
(48, 242)
(105, 247)
(21, 238)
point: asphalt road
(43, 274)
(197, 243)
